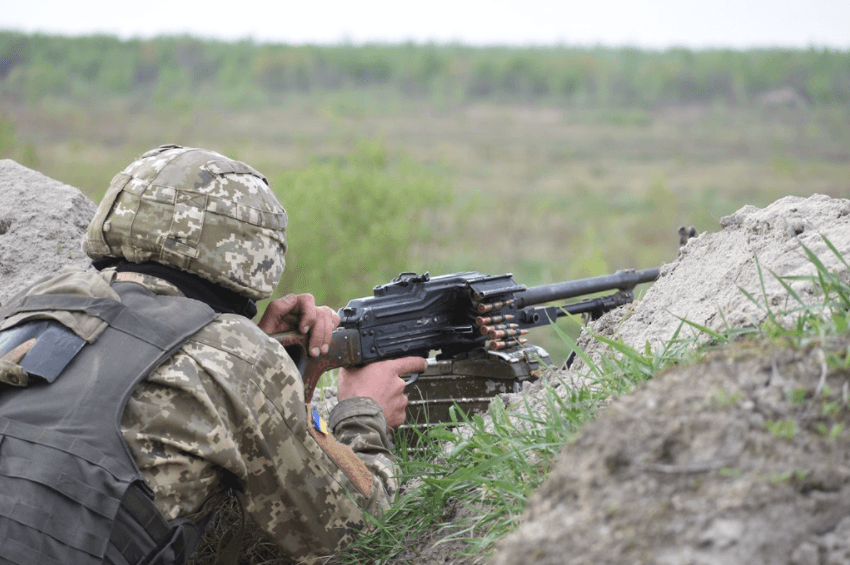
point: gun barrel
(621, 280)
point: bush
(353, 220)
(8, 140)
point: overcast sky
(648, 24)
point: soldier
(133, 398)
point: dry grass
(255, 548)
(548, 193)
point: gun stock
(344, 351)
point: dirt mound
(704, 284)
(42, 222)
(740, 459)
(722, 462)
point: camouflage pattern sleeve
(230, 405)
(359, 423)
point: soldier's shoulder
(235, 335)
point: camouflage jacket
(229, 406)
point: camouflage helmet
(198, 211)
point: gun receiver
(473, 324)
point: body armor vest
(70, 490)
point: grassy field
(539, 190)
(547, 192)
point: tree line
(247, 73)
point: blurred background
(551, 139)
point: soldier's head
(198, 211)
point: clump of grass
(471, 483)
(471, 478)
(812, 320)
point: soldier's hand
(381, 382)
(298, 312)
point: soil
(704, 285)
(42, 222)
(725, 461)
(686, 471)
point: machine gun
(468, 325)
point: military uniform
(227, 411)
(229, 405)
